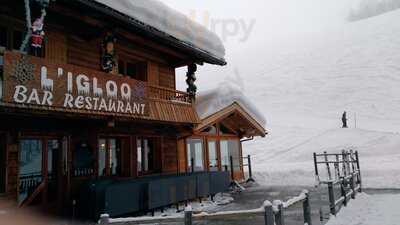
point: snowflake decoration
(24, 70)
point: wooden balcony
(64, 88)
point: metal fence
(342, 176)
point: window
(109, 157)
(146, 155)
(3, 36)
(195, 155)
(83, 160)
(230, 148)
(135, 70)
(18, 37)
(212, 155)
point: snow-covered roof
(214, 100)
(165, 19)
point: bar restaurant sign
(32, 81)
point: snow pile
(205, 207)
(161, 17)
(215, 100)
(369, 210)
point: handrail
(163, 93)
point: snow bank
(369, 210)
(215, 100)
(161, 17)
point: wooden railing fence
(343, 177)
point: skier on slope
(344, 120)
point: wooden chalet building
(92, 96)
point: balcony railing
(161, 93)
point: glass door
(30, 167)
(39, 169)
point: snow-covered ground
(369, 210)
(303, 88)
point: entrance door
(3, 158)
(39, 170)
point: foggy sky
(275, 22)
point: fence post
(188, 215)
(250, 171)
(279, 219)
(231, 162)
(104, 219)
(268, 213)
(352, 185)
(343, 191)
(192, 162)
(359, 172)
(327, 166)
(332, 204)
(307, 209)
(316, 167)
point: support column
(191, 78)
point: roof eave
(200, 54)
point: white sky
(275, 21)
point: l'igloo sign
(31, 81)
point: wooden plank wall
(170, 154)
(84, 53)
(12, 167)
(167, 77)
(181, 156)
(56, 47)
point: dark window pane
(115, 156)
(121, 67)
(83, 160)
(102, 157)
(3, 37)
(131, 70)
(18, 36)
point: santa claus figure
(37, 34)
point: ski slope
(303, 87)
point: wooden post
(307, 209)
(344, 164)
(332, 204)
(268, 213)
(343, 191)
(352, 185)
(359, 172)
(279, 219)
(337, 168)
(104, 219)
(327, 166)
(188, 215)
(316, 167)
(192, 164)
(231, 162)
(250, 170)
